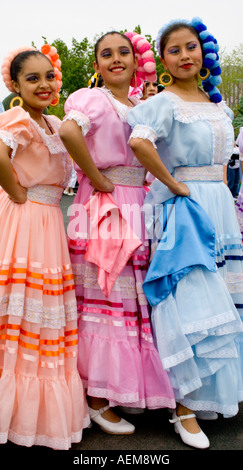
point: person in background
(150, 89)
(233, 172)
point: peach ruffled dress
(41, 394)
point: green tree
(77, 68)
(238, 121)
(232, 73)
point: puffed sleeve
(152, 119)
(15, 129)
(87, 107)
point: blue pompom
(198, 24)
(216, 80)
(208, 50)
(216, 70)
(208, 62)
(207, 86)
(209, 45)
(205, 35)
(215, 97)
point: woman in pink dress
(41, 394)
(118, 361)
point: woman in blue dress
(184, 137)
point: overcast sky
(24, 21)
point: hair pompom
(145, 56)
(148, 54)
(214, 95)
(51, 53)
(209, 60)
(45, 49)
(216, 71)
(151, 77)
(208, 86)
(216, 80)
(6, 65)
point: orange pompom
(45, 49)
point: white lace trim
(188, 112)
(52, 141)
(120, 108)
(132, 399)
(80, 118)
(9, 140)
(209, 323)
(142, 131)
(225, 410)
(35, 312)
(53, 443)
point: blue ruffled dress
(195, 280)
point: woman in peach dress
(41, 394)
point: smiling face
(182, 54)
(115, 60)
(36, 83)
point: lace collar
(120, 108)
(191, 111)
(52, 141)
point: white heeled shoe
(198, 440)
(122, 427)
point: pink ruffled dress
(117, 357)
(41, 394)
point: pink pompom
(7, 64)
(148, 54)
(53, 51)
(129, 35)
(136, 39)
(149, 67)
(58, 63)
(143, 46)
(151, 77)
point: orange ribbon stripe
(29, 334)
(71, 332)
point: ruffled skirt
(117, 357)
(198, 328)
(41, 394)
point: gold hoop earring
(203, 74)
(56, 102)
(166, 81)
(16, 98)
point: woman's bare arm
(73, 139)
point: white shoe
(206, 415)
(198, 440)
(122, 427)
